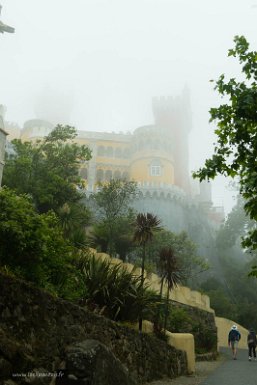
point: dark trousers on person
(251, 348)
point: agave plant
(145, 226)
(114, 291)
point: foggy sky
(102, 61)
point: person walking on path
(233, 338)
(252, 341)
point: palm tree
(171, 273)
(145, 226)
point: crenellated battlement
(172, 112)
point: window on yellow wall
(118, 152)
(99, 175)
(155, 170)
(108, 175)
(126, 153)
(109, 151)
(100, 151)
(117, 175)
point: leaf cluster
(235, 153)
(146, 224)
(113, 207)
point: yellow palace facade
(154, 156)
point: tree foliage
(235, 153)
(32, 244)
(113, 203)
(234, 295)
(234, 228)
(48, 170)
(122, 235)
(185, 250)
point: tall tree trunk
(140, 320)
(161, 288)
(167, 308)
(158, 317)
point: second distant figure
(252, 341)
(233, 339)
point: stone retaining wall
(35, 329)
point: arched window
(100, 151)
(151, 143)
(117, 175)
(126, 153)
(155, 168)
(118, 152)
(108, 175)
(147, 194)
(109, 152)
(99, 175)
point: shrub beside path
(224, 371)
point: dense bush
(31, 244)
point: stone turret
(151, 157)
(36, 129)
(173, 120)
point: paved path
(234, 372)
(225, 371)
